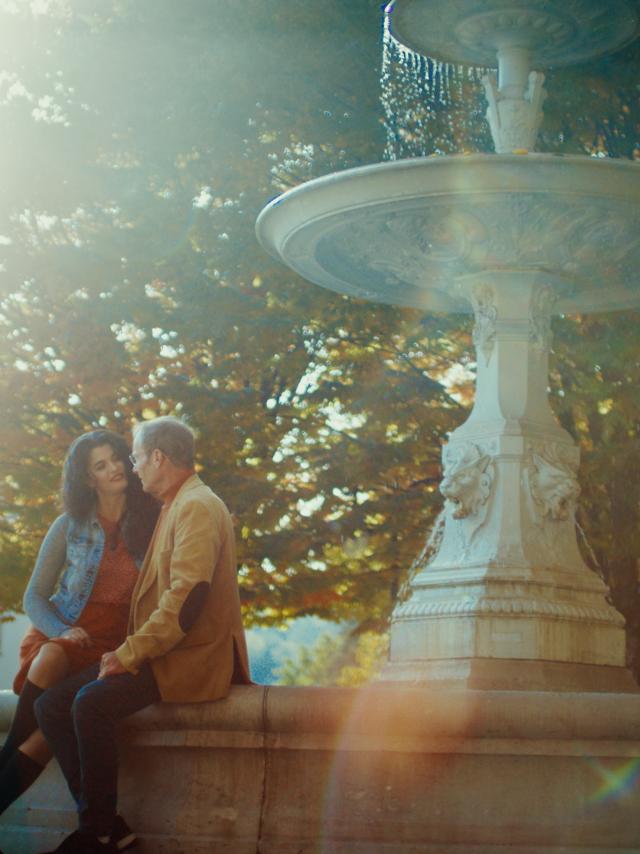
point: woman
(79, 592)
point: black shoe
(122, 836)
(81, 842)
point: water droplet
(429, 106)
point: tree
(122, 309)
(344, 660)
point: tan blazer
(193, 548)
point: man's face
(144, 467)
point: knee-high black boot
(19, 772)
(24, 722)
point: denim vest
(85, 545)
(64, 574)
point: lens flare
(615, 782)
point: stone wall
(384, 769)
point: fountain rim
(293, 225)
(367, 178)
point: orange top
(118, 572)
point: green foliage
(345, 660)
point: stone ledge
(259, 714)
(387, 769)
(385, 716)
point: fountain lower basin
(406, 232)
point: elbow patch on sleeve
(193, 605)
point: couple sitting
(109, 639)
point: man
(185, 643)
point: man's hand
(77, 635)
(110, 665)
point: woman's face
(106, 472)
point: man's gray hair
(171, 435)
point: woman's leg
(25, 752)
(19, 772)
(48, 667)
(36, 748)
(24, 722)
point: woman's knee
(49, 666)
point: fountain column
(506, 600)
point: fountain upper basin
(407, 232)
(556, 32)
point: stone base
(489, 674)
(421, 848)
(380, 770)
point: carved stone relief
(515, 122)
(540, 318)
(486, 315)
(557, 32)
(552, 483)
(546, 23)
(468, 479)
(524, 606)
(398, 255)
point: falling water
(430, 107)
(433, 107)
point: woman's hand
(77, 635)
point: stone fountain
(506, 719)
(506, 602)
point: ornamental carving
(552, 483)
(413, 254)
(467, 482)
(540, 318)
(557, 31)
(512, 607)
(514, 122)
(544, 23)
(486, 315)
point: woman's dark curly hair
(79, 499)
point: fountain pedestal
(507, 601)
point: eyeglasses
(135, 461)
